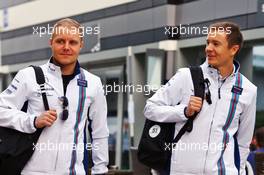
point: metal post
(131, 113)
(120, 102)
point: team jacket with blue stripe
(60, 148)
(210, 148)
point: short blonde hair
(68, 22)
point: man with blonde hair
(75, 97)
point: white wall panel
(45, 10)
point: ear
(50, 42)
(234, 49)
(81, 45)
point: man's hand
(195, 105)
(47, 118)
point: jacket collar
(55, 68)
(212, 71)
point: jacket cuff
(181, 112)
(184, 111)
(32, 127)
(34, 122)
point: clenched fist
(195, 105)
(47, 118)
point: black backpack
(17, 147)
(155, 152)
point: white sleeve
(100, 133)
(164, 105)
(11, 101)
(245, 131)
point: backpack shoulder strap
(199, 88)
(41, 81)
(198, 81)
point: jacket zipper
(220, 84)
(209, 139)
(56, 161)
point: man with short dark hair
(74, 95)
(226, 118)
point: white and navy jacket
(60, 148)
(210, 149)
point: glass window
(155, 70)
(258, 79)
